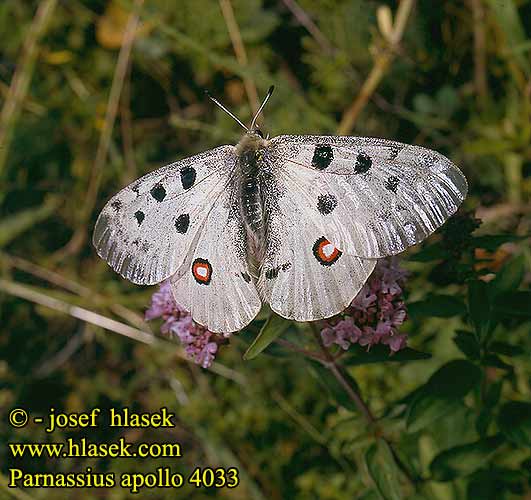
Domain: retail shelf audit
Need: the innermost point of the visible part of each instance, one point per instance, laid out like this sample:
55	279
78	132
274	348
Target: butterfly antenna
269	92
232	115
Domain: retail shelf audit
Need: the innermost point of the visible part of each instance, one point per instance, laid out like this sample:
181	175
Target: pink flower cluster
199	343
375	314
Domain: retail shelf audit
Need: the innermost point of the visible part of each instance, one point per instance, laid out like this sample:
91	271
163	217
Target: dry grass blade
239	51
126	123
120	72
22	77
306	21
72	286
45	274
12	492
25	292
81	313
480	58
299	419
379	70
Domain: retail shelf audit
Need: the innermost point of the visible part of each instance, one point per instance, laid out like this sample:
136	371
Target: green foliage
438	306
515	422
463	460
273	328
357	355
383	471
448	417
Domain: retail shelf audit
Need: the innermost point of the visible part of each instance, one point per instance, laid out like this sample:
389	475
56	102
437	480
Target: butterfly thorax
249	151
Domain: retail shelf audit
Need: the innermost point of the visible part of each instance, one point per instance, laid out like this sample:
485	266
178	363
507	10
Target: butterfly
296	222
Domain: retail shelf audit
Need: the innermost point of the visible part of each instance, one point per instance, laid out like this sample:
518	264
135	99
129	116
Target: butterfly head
257	132
252	141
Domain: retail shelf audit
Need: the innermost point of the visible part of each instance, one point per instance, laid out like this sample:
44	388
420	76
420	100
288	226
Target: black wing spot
322	156
394	152
326	203
158	192
188	175
246	277
363	163
391	183
136	189
139	216
272	273
117	205
182	223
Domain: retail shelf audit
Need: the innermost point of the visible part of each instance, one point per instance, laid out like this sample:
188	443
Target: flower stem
355	396
305	352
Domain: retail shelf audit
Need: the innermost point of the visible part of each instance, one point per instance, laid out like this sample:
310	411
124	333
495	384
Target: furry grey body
251	190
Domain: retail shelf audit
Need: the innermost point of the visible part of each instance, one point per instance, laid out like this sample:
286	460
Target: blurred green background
93	94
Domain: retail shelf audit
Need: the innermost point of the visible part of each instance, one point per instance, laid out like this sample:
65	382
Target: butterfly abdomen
252	205
251	201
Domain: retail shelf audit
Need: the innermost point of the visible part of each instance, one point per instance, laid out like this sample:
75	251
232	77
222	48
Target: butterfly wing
146	230
215	283
376	197
183	221
303	276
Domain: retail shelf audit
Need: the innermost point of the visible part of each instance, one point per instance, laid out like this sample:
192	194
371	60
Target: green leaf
358	355
510	275
506	349
370	495
447	101
483	421
424	104
437	306
479	307
525	467
463	460
493	394
273	328
442	393
514	422
427	408
513	304
331	385
383	470
467	344
454	379
493	360
491	483
491	242
12	226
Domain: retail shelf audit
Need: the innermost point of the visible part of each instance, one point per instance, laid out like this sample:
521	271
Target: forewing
377	197
146	230
215	283
303	276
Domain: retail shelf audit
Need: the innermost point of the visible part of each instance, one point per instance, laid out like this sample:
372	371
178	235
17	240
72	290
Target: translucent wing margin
376	197
146	230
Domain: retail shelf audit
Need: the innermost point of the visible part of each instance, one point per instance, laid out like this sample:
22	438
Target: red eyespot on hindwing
325	253
202	271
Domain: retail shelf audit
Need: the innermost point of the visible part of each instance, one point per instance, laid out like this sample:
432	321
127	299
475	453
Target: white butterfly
294	221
